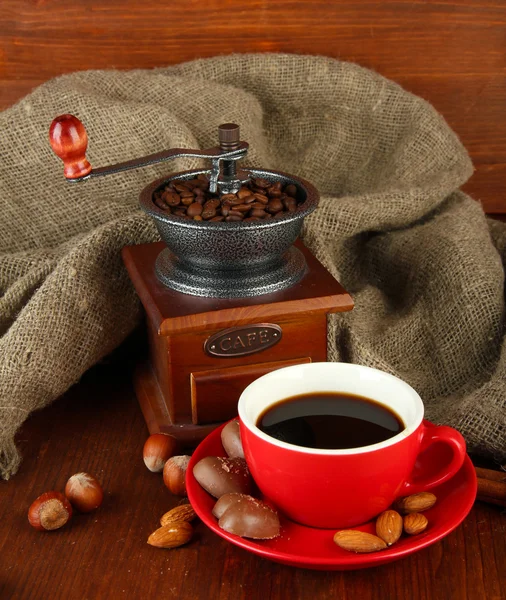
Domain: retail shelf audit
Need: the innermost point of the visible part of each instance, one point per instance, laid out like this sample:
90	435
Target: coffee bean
275	190
289	203
257	212
194	210
186	201
261	183
201	185
291	190
208	212
244	192
234	201
255	200
214	203
251	219
161	204
243	208
274	206
261	198
171	198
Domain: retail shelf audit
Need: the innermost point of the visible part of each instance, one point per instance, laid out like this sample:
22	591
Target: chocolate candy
224	503
251	518
231	440
218	475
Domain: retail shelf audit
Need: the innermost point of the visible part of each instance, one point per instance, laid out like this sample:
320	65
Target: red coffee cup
344	488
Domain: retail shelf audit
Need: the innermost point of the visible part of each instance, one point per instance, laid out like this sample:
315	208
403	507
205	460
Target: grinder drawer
215	393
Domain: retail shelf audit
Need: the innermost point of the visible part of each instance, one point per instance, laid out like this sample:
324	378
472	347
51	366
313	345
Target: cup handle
451	438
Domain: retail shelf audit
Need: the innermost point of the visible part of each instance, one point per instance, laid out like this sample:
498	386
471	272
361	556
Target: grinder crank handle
69	140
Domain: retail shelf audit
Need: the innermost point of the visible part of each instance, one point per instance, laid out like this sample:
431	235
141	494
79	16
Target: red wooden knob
69	141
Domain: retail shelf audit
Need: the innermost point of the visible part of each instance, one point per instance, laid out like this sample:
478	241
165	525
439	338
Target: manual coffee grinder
225	301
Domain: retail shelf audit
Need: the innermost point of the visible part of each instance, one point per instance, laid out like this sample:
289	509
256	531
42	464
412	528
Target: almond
358	541
171	535
415	503
184	512
415	523
389	526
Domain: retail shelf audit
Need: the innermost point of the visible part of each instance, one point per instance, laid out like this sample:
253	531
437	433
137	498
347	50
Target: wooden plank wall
451	52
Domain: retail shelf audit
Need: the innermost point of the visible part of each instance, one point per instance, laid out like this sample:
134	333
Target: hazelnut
84	492
174	474
49	511
158	448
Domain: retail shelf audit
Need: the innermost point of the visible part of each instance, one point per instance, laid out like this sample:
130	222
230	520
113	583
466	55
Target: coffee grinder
225	302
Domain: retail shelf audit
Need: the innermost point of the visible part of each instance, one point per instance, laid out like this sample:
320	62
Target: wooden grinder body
186	390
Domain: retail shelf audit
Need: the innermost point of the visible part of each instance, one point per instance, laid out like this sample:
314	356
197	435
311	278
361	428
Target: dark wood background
451	52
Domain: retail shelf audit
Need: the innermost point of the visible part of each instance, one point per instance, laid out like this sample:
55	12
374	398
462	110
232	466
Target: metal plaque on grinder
240	341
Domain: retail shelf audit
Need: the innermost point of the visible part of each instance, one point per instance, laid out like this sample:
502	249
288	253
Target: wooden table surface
98	427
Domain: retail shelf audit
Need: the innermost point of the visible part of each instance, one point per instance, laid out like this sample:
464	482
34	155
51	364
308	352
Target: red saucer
311	548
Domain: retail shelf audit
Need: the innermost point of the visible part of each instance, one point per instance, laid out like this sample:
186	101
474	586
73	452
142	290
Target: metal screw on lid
229	135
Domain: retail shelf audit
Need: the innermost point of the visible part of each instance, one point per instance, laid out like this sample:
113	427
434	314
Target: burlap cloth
423	263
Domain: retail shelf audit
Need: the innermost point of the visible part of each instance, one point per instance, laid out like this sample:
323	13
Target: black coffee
329	420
